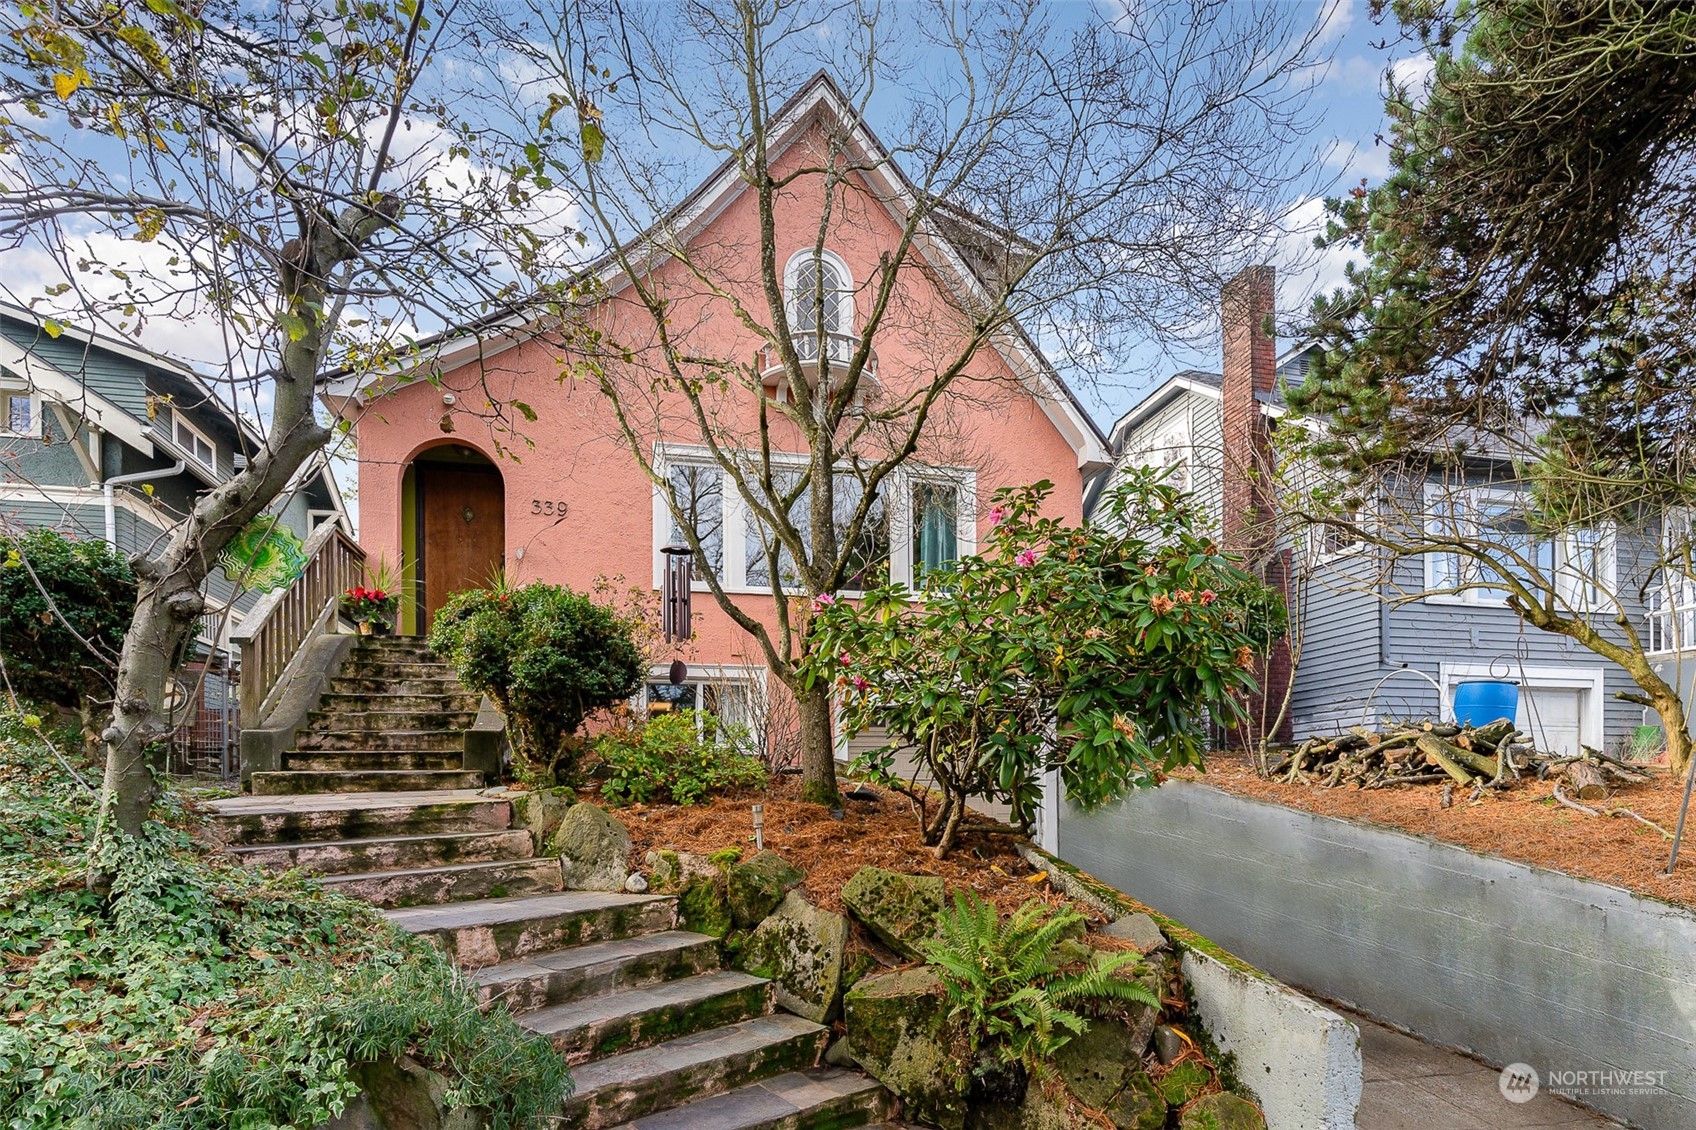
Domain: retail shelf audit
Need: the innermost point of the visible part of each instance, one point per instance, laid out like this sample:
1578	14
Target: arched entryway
456	502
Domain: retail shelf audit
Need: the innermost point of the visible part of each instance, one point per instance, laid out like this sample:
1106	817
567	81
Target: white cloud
1414	74
1357	160
1335	18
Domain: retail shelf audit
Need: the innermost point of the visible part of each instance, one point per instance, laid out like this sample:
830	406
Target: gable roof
939	242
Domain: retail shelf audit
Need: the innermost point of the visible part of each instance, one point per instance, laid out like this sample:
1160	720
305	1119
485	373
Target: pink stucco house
455	493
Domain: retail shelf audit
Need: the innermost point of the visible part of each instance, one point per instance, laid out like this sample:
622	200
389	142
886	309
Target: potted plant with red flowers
371	609
374	605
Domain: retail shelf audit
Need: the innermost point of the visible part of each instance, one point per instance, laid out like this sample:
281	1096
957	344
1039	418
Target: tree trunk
169	599
818	752
165	608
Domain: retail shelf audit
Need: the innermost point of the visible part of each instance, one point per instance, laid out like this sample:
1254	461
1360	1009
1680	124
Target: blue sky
1347	110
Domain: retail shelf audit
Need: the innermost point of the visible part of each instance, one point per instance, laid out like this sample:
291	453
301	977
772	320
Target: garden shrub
1102	651
548	657
684	756
199	993
94	591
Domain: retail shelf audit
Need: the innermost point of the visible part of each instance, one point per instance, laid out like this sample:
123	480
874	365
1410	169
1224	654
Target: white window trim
898	485
179	420
1469	498
1591	680
1571	585
844	300
10	388
751	676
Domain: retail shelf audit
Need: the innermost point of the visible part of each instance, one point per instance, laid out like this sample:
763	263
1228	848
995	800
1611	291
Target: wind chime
676	622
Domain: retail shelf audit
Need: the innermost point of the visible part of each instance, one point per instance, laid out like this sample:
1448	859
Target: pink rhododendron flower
823	601
1208	596
845	659
997	514
859	683
1025	558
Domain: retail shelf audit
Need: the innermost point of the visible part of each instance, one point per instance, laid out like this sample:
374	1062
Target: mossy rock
540	811
403	1092
800	947
670	870
1138	1105
703	907
1096	1063
1187	1079
898	1026
1221	1111
1039	1110
756	886
900	910
592	847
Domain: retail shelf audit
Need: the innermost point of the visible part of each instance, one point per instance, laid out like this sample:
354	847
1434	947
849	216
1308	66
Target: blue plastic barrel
1483	701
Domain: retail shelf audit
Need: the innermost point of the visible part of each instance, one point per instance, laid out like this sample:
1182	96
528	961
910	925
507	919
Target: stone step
436	717
372	645
529	983
294	783
363	685
821	1098
626	1087
455	882
638	1018
401	741
390	853
342	816
496	930
341	760
399	667
391	701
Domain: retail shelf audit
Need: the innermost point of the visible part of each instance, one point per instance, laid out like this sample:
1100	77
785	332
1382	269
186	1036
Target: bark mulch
882	834
1524	823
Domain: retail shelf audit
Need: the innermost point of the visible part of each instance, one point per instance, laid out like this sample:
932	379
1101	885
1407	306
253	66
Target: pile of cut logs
1419	753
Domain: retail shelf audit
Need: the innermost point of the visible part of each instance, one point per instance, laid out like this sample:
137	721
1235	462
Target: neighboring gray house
1376	639
101	439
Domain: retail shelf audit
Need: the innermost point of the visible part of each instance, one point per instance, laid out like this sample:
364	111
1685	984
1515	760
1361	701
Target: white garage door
1553	716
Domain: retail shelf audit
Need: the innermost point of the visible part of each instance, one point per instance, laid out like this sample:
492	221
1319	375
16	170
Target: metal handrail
276	628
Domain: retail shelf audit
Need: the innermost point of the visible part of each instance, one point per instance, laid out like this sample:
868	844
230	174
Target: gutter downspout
176	468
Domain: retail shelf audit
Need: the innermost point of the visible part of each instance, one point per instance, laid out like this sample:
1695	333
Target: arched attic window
802	288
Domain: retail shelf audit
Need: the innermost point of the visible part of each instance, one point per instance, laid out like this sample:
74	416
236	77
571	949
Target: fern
1004	979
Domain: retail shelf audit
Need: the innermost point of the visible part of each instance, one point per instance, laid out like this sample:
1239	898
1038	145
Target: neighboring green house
102	439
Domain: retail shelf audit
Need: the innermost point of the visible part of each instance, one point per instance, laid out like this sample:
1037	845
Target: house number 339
551	506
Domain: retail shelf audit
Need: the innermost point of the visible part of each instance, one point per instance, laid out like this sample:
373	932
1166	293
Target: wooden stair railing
284	621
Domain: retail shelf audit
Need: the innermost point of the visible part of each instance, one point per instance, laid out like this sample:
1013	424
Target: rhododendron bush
1104	652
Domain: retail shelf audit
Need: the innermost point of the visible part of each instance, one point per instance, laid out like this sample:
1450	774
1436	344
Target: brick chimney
1248	525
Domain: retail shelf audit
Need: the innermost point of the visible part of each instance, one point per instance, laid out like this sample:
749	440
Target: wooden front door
462	527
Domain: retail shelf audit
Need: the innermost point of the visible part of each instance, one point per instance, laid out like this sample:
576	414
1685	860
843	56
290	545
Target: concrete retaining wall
1300	1060
1512	963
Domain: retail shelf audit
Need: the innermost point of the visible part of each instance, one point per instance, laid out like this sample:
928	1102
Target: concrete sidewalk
1411	1085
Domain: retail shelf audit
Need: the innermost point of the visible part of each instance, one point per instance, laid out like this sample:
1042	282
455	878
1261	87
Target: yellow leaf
65	85
1038	877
